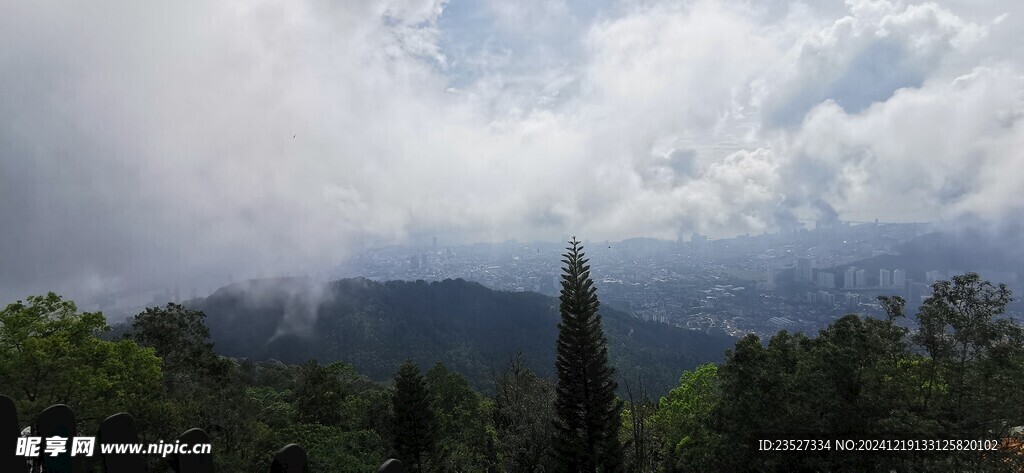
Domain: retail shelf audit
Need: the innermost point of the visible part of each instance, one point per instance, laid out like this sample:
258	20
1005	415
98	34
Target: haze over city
190	144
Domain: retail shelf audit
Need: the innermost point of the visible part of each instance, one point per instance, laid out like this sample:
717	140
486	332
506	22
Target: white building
884	278
804	270
848	279
826	280
899	278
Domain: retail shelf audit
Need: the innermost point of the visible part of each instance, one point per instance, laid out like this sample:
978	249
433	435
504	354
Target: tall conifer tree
413	428
587	411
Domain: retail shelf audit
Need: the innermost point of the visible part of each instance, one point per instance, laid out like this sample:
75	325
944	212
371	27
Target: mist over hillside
471	329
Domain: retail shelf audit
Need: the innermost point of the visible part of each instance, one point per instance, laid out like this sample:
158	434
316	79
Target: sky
150	144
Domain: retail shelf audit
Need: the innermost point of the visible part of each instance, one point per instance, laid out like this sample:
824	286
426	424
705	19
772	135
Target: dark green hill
472	329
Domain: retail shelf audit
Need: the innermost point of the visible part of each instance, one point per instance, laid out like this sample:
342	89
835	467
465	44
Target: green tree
682	421
273	407
319	395
637	427
413	430
206	388
524	405
42	340
588	414
860	379
760	399
973	353
49	353
193	372
464	437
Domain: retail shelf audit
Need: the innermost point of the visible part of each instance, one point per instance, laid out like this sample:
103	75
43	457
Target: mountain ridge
470	328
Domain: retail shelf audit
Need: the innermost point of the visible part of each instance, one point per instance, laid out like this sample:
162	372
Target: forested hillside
471	329
943	397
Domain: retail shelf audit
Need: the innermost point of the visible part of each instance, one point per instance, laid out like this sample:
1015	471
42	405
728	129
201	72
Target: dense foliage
957	375
49	354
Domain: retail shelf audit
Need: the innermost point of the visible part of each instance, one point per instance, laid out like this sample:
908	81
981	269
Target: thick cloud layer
187	143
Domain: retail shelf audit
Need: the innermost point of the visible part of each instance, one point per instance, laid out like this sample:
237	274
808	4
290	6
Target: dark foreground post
193	463
10	430
55	423
119	428
290	459
391	466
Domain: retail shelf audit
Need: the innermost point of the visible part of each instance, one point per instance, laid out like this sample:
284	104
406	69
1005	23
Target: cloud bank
145	144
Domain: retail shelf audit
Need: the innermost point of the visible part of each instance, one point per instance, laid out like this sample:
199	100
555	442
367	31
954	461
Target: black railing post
290	459
193	463
58	421
391	466
119	428
10	430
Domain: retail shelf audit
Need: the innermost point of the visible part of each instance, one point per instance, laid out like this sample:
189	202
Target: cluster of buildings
860	287
821	297
851	291
855	278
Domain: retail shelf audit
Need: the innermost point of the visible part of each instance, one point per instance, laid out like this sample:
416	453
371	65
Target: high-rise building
860	278
804	270
827	280
884	278
771	278
899	278
848	279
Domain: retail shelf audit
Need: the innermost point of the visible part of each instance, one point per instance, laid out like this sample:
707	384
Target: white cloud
939	151
150	144
865	56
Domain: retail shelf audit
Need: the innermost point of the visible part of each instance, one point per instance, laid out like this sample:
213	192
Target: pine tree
587	411
413	429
